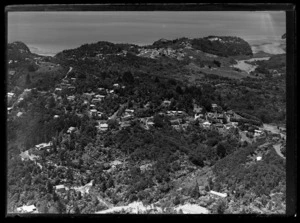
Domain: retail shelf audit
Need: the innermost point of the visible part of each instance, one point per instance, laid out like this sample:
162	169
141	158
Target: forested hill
218	45
18	51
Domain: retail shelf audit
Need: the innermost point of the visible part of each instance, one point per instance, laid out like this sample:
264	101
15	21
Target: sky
52	32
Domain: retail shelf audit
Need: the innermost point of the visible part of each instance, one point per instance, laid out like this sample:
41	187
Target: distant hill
18	51
221	46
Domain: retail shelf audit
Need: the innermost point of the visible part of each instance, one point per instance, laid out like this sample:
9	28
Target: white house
258	158
198	116
129	110
11	72
71	129
116	85
57	90
43	145
60	188
100	96
103	126
19	114
257	133
71	98
166	103
10	95
218	194
27	209
93	112
115	163
206	124
96	100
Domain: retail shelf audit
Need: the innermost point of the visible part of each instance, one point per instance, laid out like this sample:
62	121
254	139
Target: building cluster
156	53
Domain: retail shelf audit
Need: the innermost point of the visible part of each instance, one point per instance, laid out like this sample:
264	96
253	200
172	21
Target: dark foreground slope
149	156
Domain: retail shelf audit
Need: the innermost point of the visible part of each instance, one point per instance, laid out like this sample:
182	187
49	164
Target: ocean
48	33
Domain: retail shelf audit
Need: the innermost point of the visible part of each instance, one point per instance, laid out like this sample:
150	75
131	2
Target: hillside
170	125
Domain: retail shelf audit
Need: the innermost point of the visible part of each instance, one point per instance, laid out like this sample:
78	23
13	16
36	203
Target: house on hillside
219	126
166	103
11	72
10	96
103	126
127	117
206	124
258	133
71	129
258	158
96	100
99	114
71	88
197	110
71	98
65	81
200	116
27	209
93	112
116	163
150	123
177	127
100	96
57	90
116	85
129	111
184	126
60	188
223	195
88	96
228	126
175	121
43	145
214	106
235	124
124	124
9	110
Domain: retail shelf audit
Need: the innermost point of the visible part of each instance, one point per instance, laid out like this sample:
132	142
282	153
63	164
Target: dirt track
277	149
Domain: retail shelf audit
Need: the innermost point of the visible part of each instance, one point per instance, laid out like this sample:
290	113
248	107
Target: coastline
275	46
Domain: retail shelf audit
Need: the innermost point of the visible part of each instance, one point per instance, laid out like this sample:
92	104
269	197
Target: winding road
274	129
70	69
